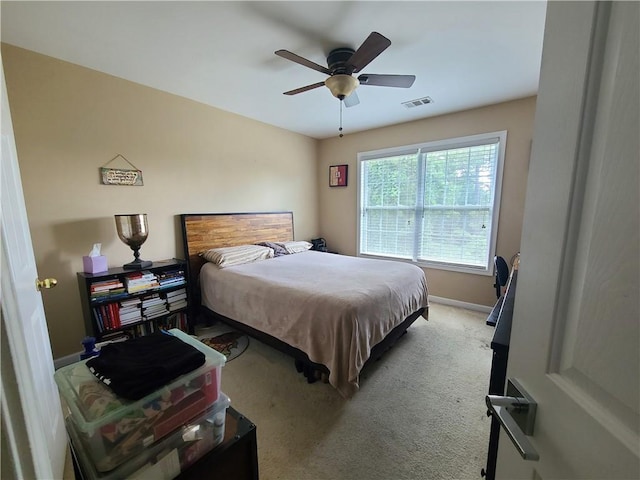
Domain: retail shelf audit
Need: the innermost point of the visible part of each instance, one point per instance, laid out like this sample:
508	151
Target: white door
32	421
575	337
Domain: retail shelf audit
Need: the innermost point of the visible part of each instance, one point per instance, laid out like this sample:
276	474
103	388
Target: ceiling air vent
417	102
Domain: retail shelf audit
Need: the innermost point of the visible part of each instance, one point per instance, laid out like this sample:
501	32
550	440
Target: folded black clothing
139	366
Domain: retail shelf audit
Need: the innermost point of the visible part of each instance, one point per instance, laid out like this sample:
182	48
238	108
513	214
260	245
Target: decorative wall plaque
121	176
338	175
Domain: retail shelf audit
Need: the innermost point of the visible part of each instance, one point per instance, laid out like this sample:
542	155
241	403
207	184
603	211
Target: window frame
445	144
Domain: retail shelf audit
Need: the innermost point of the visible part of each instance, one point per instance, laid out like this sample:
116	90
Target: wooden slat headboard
203	231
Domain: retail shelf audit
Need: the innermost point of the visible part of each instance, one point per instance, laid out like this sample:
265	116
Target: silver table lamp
133	230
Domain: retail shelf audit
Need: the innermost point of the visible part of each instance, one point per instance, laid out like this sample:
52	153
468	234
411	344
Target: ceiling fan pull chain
340	129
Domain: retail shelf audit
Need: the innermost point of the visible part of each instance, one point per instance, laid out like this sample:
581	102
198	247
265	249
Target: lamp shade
341	85
132	228
133	231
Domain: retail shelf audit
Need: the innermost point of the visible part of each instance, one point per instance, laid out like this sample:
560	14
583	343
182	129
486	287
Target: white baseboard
68	360
457	303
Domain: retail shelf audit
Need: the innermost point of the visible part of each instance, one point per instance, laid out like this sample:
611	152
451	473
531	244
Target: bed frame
203	231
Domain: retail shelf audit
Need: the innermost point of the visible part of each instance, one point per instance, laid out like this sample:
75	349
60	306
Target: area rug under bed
230	343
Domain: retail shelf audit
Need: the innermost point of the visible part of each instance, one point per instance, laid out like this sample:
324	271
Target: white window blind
434	203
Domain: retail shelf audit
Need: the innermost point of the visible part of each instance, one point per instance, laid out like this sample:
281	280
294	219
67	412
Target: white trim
499	137
456	142
440	266
12	418
497	200
35	411
67	360
458	303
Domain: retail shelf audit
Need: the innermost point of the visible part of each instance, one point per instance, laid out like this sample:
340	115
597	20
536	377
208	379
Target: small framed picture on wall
338	175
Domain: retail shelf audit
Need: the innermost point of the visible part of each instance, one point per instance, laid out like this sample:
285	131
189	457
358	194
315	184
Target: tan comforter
335	308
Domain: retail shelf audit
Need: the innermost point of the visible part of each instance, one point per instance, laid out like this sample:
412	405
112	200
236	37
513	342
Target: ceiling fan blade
304	89
402	81
352	100
373	46
302	61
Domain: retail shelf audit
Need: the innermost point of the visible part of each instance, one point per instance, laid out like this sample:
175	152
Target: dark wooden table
498	377
236	458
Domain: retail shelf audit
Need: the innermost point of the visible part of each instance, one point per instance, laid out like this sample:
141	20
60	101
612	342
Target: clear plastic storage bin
112	430
168	457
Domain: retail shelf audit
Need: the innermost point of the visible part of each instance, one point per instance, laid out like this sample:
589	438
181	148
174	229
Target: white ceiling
464	54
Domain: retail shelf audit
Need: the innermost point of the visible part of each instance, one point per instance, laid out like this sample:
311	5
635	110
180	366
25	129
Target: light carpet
419	414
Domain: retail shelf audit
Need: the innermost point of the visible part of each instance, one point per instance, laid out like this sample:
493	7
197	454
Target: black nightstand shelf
235	458
111	308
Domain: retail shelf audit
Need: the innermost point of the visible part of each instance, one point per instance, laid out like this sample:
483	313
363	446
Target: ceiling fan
343	63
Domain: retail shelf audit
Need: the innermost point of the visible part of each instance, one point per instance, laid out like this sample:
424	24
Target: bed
332	313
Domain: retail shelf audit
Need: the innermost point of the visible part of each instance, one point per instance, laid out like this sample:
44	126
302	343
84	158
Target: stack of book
171	278
107	289
130	311
153	306
177	299
175	320
109	337
143	329
139	281
107	316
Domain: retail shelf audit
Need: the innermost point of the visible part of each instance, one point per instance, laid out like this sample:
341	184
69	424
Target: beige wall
338	219
69	121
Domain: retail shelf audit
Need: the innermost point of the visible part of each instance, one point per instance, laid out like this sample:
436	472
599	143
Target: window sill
435	266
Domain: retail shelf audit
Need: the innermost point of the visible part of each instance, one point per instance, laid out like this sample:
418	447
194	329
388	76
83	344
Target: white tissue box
95	264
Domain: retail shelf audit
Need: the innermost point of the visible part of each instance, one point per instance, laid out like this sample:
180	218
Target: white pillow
296	247
228	256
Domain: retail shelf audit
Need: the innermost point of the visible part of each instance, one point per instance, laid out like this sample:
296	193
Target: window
435	203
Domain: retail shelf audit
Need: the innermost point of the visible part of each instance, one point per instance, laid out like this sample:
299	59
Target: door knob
46	283
516	412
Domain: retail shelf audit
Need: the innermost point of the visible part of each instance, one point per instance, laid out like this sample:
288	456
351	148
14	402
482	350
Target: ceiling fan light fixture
341	85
